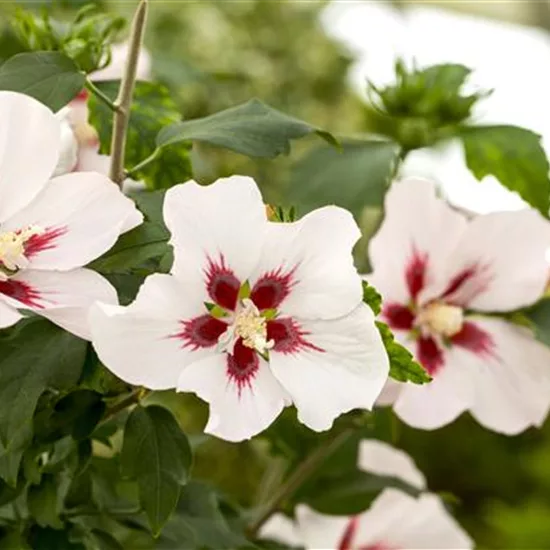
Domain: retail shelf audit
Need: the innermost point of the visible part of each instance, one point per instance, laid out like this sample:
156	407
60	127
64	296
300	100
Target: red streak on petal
242	365
289	337
415	273
272	288
201	332
467	284
429	354
222	285
44	241
22	292
398	317
458	280
349	534
474	339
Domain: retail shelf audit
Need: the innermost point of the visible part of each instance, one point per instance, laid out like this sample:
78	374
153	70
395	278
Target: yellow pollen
442	319
252	327
12	247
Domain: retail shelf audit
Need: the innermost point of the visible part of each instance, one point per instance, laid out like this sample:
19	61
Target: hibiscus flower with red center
254	316
440	275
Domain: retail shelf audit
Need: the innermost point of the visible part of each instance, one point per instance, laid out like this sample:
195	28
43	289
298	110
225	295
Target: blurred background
312	59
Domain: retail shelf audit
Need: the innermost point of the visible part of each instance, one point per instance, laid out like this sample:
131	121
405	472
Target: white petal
317	251
348	373
67	296
280	528
390	392
87	208
449	394
29	149
380	458
8	314
416	219
512	388
136	342
236	413
319	531
68	156
511	246
226	219
397	520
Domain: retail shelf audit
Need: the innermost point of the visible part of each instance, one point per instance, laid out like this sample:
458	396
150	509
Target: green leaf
50	77
514	156
152	109
156	452
253	129
353	177
199	523
403	367
539	315
34	356
372	298
43	504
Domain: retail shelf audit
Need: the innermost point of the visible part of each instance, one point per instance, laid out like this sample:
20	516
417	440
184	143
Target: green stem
300	475
123	101
129	400
153	156
100	95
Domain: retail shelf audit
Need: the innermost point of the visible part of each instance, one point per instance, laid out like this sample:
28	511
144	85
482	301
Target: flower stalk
123	101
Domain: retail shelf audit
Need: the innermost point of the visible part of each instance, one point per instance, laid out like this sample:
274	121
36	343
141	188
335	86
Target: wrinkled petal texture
82	215
30	142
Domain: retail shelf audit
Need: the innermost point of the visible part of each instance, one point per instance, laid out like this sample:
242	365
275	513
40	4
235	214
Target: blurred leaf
253	129
152	109
104	540
156	452
35	356
403	367
514	156
49	77
356	176
50	539
539	315
43	503
198	523
372	298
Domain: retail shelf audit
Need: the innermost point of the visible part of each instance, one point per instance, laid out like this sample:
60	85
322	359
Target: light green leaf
539	316
34	356
253	129
514	156
50	77
372	298
403	367
156	452
152	109
353	177
43	503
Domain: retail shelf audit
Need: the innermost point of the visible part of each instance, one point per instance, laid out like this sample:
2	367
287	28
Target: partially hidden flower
255	315
440	275
394	521
50	228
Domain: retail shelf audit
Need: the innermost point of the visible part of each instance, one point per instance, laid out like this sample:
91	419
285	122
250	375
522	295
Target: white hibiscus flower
440	274
395	520
50	228
255	315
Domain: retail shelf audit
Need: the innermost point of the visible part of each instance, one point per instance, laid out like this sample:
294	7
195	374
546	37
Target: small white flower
255	316
438	272
395	520
49	229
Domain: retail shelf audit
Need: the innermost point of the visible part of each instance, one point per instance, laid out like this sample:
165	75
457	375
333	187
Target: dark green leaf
50	77
43	503
352	493
253	129
104	540
36	356
372	298
403	367
152	109
539	316
156	453
514	156
50	539
353	177
199	523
